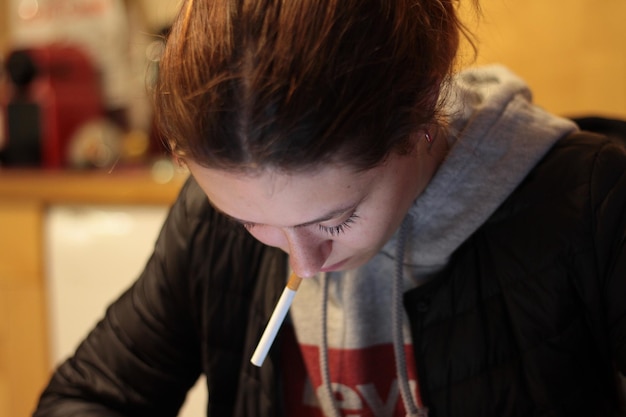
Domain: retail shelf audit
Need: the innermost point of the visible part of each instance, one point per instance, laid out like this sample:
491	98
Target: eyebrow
328	216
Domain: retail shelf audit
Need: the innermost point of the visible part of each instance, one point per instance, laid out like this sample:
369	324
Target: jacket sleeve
608	188
143	356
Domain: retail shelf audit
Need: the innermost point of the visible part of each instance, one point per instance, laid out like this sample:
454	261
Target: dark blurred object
53	91
604	125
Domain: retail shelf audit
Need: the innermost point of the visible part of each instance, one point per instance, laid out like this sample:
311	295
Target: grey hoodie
496	136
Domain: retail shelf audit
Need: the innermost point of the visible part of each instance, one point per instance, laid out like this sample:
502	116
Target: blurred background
76	79
85	182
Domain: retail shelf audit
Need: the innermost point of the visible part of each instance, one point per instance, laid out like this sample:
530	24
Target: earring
429	138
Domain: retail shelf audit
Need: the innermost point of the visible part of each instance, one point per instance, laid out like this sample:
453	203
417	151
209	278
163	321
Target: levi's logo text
363	381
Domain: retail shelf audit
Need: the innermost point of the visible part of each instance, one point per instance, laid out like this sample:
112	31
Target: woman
463	250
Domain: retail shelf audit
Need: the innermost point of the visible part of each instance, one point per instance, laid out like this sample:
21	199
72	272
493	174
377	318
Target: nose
307	252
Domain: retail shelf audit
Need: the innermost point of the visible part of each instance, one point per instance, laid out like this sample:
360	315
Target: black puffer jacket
528	319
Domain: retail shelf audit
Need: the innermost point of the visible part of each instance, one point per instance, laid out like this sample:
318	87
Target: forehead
280	198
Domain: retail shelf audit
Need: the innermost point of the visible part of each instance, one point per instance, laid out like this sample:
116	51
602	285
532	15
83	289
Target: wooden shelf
124	186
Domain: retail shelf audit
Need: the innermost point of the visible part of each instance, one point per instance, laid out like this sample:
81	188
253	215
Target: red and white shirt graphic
364	381
361	357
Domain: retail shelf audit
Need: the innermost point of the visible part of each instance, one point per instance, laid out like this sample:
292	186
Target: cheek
360	238
375	230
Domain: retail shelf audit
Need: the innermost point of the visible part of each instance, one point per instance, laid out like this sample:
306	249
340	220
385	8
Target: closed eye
331	230
340	228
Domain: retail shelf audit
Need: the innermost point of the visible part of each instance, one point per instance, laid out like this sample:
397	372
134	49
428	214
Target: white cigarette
276	320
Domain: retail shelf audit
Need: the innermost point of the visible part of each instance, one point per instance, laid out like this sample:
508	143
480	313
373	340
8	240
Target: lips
335	267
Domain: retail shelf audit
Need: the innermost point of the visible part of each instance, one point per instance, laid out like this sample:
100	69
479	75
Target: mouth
335	267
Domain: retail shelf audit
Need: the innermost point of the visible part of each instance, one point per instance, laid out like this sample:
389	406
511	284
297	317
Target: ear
177	156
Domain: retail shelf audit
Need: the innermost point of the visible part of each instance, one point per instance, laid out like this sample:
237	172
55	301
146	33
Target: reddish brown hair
247	84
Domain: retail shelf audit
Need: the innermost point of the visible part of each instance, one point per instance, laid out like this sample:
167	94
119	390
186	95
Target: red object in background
55	90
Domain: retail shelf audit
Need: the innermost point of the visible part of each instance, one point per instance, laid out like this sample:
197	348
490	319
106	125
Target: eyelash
331	230
341	228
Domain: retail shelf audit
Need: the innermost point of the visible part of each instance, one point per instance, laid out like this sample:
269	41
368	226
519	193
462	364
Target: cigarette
276	320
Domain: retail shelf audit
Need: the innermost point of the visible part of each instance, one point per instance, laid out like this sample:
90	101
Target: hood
496	136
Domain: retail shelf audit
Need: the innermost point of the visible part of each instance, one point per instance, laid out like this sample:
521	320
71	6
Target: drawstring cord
410	404
397	316
325	369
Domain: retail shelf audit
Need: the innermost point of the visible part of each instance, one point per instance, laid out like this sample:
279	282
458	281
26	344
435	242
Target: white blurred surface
93	254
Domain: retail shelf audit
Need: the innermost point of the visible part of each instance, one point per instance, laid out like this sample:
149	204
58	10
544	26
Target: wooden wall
572	52
24	363
4	25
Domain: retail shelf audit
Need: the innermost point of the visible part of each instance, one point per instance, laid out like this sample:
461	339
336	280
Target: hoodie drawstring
323	357
397	319
410	403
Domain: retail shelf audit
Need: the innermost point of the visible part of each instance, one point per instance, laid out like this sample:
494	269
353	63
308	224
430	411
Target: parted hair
289	84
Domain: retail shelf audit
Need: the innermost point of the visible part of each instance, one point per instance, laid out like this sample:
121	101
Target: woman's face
331	219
